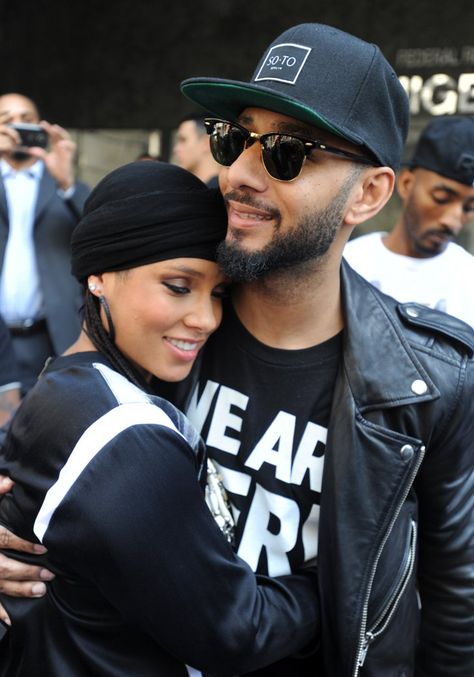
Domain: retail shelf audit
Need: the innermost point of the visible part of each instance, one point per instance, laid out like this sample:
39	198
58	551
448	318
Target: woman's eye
176	288
220	292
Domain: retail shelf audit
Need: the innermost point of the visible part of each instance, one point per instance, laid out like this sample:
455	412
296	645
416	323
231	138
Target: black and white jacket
109	479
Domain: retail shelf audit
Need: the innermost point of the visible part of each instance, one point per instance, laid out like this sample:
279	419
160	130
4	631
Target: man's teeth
257	217
183	345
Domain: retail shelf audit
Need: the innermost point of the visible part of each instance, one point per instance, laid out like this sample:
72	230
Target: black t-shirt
263	413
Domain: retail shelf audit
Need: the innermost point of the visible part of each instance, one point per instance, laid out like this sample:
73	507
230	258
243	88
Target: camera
31	135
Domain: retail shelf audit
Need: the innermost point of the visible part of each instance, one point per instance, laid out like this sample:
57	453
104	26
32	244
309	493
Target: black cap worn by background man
446	147
325	77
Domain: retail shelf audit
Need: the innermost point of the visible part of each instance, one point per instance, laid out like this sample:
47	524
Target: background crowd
41	202
377	387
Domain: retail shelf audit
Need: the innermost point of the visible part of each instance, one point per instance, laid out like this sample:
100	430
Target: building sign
438	80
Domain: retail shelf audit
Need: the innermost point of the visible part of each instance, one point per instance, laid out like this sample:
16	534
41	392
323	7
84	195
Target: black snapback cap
325	77
446	146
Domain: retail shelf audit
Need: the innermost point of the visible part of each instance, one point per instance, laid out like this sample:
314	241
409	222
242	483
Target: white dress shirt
20	293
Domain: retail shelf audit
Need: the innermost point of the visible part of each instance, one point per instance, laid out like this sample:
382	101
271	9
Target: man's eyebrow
468	202
286	127
300	129
245	120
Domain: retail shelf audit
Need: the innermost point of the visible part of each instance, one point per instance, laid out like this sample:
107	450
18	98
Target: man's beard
422	246
310	240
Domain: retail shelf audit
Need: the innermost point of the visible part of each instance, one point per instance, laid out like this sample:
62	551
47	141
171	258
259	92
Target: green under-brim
228	98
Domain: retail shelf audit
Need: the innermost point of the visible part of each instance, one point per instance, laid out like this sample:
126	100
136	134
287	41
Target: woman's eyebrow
186	270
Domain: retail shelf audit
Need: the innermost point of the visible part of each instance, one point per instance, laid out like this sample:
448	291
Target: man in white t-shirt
418	260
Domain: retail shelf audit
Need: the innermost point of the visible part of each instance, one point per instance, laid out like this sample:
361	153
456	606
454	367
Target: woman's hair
102	340
146	212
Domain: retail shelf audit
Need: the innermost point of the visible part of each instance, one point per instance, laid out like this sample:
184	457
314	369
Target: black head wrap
146	212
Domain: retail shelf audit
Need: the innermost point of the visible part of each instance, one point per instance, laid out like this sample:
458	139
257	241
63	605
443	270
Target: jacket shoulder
429	321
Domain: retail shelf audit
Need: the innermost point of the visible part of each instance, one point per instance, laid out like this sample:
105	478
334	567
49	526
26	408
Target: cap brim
228	98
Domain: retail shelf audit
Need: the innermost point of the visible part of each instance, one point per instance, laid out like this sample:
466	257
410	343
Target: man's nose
247	170
455	217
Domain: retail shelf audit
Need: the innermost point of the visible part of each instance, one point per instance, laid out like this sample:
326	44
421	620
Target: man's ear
204	143
405	181
371	193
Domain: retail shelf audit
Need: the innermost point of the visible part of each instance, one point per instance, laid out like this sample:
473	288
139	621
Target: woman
110	478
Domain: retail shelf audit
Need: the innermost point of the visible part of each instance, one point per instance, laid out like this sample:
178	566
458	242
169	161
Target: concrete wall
102	64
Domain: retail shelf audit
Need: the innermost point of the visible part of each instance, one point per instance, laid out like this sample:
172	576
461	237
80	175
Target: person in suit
9	379
40	203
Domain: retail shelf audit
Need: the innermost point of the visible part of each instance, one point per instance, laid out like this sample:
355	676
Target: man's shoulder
362	241
457	254
80	187
419	318
83	187
422	326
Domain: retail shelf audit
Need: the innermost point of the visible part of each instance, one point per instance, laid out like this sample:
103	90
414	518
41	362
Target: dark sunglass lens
227	143
283	156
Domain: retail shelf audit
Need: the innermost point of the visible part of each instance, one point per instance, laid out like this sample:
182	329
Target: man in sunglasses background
418	260
340	420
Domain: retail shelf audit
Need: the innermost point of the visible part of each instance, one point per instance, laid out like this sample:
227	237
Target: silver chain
218	502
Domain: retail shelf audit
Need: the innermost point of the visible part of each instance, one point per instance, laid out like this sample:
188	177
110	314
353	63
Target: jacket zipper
367	636
385	616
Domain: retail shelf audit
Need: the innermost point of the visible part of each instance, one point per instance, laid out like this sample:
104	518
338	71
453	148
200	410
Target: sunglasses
283	155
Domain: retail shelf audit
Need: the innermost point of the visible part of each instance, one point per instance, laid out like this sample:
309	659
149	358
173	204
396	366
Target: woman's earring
105	306
92	287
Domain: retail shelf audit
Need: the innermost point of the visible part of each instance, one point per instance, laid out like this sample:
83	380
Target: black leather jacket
397	507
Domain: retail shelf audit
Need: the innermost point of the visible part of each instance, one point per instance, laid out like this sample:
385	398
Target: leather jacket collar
381	368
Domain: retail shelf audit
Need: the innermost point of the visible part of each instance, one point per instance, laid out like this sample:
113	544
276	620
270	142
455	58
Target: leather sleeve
445	489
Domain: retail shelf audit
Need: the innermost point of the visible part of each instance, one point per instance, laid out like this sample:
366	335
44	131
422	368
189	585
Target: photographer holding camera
40	204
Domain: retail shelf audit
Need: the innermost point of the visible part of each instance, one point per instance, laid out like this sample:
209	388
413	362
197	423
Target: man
418	260
40	203
9	377
340	421
191	149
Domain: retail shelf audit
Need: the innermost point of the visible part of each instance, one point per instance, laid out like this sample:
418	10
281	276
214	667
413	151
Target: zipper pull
364	648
